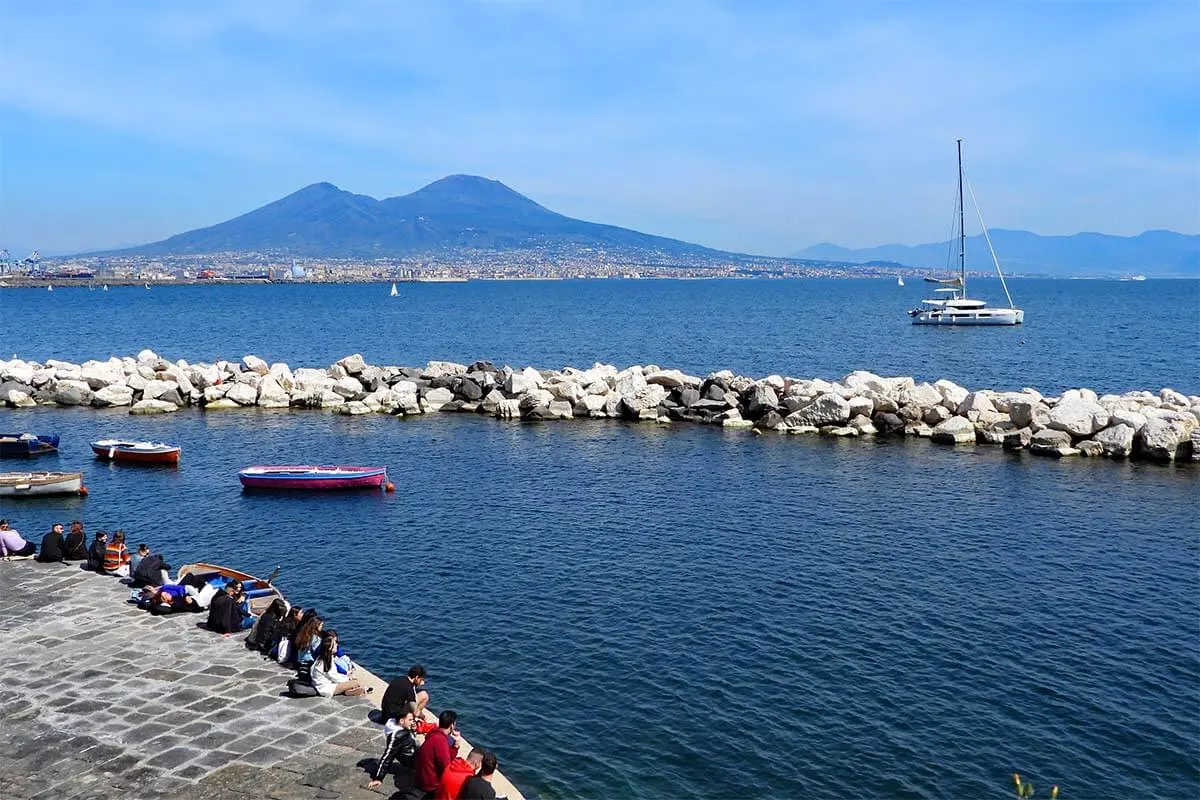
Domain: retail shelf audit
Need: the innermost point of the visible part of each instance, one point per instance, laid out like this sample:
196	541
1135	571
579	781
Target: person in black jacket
226	613
54	547
151	571
95	556
76	543
266	632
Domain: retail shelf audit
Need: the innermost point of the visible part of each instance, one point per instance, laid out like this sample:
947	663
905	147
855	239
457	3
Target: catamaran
953	307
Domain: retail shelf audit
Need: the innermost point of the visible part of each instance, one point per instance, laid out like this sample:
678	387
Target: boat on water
29	484
952	306
395	292
106	287
312	478
19	445
136	452
1134	278
899	280
49	288
261	592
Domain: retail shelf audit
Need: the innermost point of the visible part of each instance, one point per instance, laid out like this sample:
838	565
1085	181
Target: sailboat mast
962	231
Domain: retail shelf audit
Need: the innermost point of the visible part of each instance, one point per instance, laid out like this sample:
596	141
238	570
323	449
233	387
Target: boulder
15	398
349	388
491	401
352	364
769	421
936	415
255	364
1089	448
436	398
97	375
154	390
888	423
72	393
1165	438
17	371
828	409
761	399
1170	397
1116	441
630	381
952	394
561	409
442	369
863	425
147	355
241	393
1052	442
672	379
1078	415
591	405
1134	419
352	408
861	407
689	396
272	394
518	383
977	402
152	407
115	395
470	390
1024	412
646	399
955	430
922	394
1018	439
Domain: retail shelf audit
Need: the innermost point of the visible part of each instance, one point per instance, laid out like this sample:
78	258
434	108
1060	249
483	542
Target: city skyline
761	131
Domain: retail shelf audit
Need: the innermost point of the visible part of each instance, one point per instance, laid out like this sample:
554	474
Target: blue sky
753	126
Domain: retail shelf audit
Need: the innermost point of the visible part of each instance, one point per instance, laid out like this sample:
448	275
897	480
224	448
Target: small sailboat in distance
395	292
106	287
147	286
49	287
899	280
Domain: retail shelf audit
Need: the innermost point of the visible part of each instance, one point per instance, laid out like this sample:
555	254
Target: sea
630	610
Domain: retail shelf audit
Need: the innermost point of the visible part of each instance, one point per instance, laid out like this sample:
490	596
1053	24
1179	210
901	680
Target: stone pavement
100	699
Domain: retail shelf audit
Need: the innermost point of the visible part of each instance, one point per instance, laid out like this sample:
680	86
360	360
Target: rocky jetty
1160	427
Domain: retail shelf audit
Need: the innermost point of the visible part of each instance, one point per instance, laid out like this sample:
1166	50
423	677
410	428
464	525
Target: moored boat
28	484
260	592
312	478
136	452
27	444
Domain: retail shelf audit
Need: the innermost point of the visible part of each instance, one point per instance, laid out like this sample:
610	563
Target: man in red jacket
434	756
456	774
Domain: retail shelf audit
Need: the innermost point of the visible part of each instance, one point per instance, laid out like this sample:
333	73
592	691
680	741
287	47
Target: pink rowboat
312	479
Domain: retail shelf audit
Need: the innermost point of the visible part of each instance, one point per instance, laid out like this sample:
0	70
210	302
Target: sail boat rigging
955	308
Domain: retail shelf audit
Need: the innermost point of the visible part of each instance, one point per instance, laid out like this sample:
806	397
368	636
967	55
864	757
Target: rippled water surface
635	611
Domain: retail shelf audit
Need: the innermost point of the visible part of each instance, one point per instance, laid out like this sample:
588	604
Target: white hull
971	316
23	484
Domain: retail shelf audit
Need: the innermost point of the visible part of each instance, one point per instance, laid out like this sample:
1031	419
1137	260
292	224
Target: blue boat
19	445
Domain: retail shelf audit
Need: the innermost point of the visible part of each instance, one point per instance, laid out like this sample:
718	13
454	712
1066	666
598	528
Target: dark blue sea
625	610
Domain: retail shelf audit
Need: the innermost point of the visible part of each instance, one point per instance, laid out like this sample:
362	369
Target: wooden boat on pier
19	445
312	478
136	452
29	484
260	592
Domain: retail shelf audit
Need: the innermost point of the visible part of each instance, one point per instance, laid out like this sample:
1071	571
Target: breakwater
1162	426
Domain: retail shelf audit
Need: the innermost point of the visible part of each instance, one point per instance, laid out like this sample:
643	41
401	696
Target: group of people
109	557
294	637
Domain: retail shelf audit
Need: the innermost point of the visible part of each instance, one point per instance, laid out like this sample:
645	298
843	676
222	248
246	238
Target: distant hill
459	211
1154	254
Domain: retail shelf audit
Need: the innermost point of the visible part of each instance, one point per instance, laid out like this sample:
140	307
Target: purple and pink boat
313	479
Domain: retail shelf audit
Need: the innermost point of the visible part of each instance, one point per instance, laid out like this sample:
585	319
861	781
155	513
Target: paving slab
104	700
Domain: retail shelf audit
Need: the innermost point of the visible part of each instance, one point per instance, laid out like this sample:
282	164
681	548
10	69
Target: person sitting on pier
403	690
479	787
95	555
282	652
136	558
229	611
116	556
265	633
433	757
76	542
12	544
325	674
399	744
54	547
458	772
152	570
306	641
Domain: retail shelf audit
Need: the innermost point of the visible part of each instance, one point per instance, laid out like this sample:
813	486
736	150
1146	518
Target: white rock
353	408
975	401
255	364
440	369
1171	397
271	394
220	403
17	371
952	394
591	405
526	380
147	355
353	364
508	408
152	407
561	409
349	388
100	374
18	399
490	403
1116	441
1163	438
1133	419
922	395
1078	415
282	374
861	406
672	379
630	381
644	399
154	390
828	409
863	425
776	382
955	430
436	398
241	393
117	394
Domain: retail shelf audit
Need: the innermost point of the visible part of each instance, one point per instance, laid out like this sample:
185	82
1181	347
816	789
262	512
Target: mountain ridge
1154	253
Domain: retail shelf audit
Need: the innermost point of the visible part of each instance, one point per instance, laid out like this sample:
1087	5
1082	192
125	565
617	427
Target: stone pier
99	699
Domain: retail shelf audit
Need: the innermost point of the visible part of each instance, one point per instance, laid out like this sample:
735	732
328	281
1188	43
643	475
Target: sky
758	127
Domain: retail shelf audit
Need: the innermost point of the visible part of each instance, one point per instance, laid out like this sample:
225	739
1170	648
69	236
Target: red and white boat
312	478
136	452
